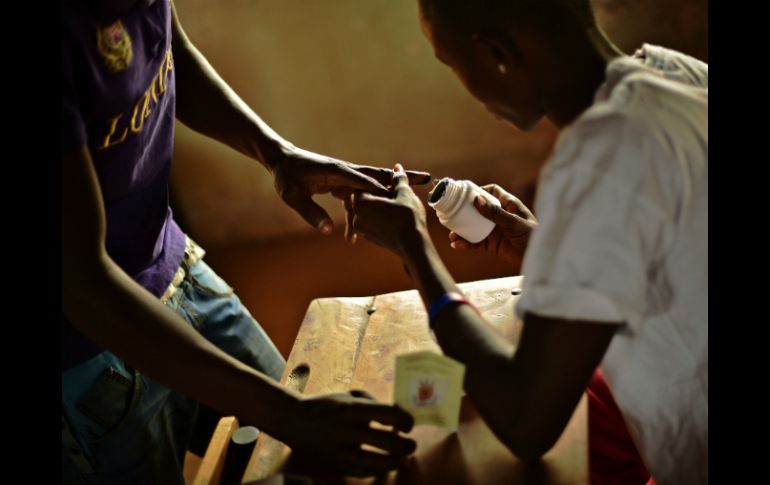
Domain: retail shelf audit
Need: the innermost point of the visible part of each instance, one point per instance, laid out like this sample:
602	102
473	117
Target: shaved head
522	59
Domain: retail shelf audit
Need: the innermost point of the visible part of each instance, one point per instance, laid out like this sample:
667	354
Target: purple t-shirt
118	100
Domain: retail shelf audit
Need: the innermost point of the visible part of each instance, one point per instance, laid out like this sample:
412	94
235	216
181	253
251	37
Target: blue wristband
441	303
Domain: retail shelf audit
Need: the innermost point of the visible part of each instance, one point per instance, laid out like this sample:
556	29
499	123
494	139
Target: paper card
429	386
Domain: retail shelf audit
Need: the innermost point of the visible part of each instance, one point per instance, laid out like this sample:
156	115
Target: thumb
495	213
362	394
400	178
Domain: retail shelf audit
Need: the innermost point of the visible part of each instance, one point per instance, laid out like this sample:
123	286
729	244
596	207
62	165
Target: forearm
462	333
115	312
208	105
497	384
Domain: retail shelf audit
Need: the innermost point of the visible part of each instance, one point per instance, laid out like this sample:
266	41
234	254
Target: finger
496	190
359	227
510	202
350	234
381	175
418	177
382	413
364	199
310	211
369	209
462	245
457	242
495	213
341	193
343	177
400	181
385	440
385	175
361	393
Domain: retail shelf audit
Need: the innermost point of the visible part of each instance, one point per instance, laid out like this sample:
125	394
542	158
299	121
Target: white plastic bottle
453	202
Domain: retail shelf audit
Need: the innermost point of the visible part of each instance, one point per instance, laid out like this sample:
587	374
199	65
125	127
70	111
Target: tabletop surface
352	343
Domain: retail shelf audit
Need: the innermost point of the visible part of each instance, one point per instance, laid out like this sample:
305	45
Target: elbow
528	450
83	275
528	453
528	443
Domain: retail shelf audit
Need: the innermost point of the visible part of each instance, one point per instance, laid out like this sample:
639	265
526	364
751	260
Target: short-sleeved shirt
118	100
623	237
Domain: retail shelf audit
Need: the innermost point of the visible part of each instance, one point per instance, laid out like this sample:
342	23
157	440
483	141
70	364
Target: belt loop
192	254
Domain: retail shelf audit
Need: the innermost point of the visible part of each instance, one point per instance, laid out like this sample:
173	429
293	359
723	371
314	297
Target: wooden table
352	343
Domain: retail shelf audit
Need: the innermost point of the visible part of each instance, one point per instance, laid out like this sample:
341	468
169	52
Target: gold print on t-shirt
115	45
117	131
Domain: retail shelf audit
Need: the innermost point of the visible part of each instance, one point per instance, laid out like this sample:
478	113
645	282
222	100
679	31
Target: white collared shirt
623	237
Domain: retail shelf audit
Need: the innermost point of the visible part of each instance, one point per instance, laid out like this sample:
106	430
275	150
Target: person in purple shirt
150	334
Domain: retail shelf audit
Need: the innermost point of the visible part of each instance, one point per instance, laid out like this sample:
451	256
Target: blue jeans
119	426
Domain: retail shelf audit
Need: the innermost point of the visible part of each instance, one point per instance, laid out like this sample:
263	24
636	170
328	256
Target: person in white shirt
616	263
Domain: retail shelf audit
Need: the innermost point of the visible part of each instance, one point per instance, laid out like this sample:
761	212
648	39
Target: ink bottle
453	203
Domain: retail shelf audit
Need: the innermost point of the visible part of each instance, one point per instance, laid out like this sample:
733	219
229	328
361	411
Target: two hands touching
299	174
380	205
397	219
331	429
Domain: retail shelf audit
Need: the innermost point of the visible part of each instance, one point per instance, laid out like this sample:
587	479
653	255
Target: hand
514	224
299	174
329	430
388	221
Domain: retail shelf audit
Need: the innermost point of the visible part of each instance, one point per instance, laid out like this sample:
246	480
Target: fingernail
354	239
398	168
481	201
325	227
453	244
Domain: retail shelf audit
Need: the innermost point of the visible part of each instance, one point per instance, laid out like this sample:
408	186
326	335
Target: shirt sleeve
599	227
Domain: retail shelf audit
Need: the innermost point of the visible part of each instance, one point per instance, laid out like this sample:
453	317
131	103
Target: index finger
346	178
385	175
497	191
400	180
382	413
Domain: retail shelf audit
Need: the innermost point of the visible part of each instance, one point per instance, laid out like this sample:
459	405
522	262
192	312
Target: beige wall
678	24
